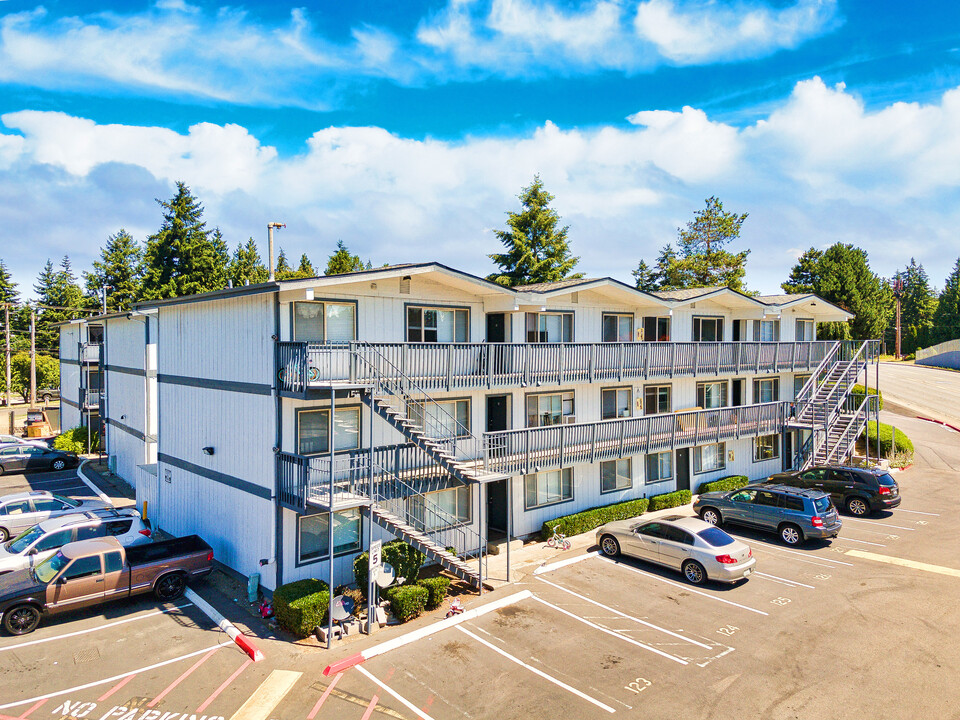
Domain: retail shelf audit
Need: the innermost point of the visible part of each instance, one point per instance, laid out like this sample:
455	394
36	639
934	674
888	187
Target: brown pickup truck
91	572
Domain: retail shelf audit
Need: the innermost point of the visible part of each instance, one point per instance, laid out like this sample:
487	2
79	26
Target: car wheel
21	619
609	545
694	572
709	515
858	506
58	464
170	587
1	470
791	534
46	399
4	535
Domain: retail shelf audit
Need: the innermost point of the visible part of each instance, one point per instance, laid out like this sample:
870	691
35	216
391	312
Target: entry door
496	327
498	413
736	392
683	469
497	506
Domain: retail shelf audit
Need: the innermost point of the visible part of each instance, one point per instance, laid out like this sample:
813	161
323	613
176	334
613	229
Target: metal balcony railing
90	399
90	352
464	366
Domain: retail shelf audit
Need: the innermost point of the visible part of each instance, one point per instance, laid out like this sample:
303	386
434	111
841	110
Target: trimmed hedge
593	518
734	482
670	500
75	440
406	561
859	392
407	601
904	446
437	588
302	605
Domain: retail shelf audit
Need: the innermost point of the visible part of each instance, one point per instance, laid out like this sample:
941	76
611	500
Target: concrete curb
436	627
228	627
940	422
89	483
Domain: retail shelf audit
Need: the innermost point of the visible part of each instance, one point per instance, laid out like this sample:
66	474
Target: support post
6	332
33	359
509	521
333	408
370	579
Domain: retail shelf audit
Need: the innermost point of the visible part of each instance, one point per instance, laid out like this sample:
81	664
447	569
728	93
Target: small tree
946	319
341	261
645	277
306	267
537	250
245	266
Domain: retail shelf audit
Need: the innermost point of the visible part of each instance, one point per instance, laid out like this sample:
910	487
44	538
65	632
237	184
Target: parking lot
863	626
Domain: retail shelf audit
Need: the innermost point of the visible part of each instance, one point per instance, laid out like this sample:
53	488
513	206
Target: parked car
793	513
44	539
48	394
84	574
14	440
23	510
698	549
860	491
20	457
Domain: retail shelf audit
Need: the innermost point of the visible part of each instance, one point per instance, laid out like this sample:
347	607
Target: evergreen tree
8	294
645	277
8	288
918	303
283	271
59	298
246	266
703	261
182	258
306	267
803	275
669	272
536	250
120	270
341	261
946	319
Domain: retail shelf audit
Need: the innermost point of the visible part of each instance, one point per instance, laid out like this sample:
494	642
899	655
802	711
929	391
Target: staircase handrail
812	380
854	425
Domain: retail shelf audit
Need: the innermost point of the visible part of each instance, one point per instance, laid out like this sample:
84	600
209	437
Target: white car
697	549
41	541
14	440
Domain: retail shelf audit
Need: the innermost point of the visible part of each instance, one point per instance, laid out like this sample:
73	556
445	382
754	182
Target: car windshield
886	479
822	504
48	569
715	537
69	501
24	540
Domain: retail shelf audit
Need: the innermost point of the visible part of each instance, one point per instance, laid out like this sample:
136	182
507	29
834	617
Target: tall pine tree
918	303
59	298
246	267
283	271
306	267
537	249
803	275
341	261
645	277
182	258
119	269
703	261
946	319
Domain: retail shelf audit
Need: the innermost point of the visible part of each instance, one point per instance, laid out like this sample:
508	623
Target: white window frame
812	332
620	390
417	508
766	330
422	328
567	401
622	475
338	416
700	320
702	394
326	324
720	450
347	516
758	385
535	335
659	460
623	335
798	382
563	477
773	448
452	405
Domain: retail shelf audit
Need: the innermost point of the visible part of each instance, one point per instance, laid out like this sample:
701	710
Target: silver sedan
699	550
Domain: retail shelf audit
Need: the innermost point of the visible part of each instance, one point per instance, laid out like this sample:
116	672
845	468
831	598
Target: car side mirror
33	551
61	581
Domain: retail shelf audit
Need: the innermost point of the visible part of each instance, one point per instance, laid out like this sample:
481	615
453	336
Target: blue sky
408	129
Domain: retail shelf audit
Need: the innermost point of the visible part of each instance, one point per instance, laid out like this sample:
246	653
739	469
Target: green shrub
859	392
437	588
302	605
406	561
593	518
904	446
670	500
407	601
728	483
75	440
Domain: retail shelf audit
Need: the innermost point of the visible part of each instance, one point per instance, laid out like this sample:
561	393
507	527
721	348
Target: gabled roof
605	285
686	293
556	285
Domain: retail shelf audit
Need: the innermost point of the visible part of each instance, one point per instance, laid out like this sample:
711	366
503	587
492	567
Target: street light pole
270	227
898	294
33	357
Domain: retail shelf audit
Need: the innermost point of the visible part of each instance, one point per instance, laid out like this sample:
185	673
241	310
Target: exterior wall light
208	450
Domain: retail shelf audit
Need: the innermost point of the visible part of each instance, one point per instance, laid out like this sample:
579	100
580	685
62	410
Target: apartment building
290	422
81	374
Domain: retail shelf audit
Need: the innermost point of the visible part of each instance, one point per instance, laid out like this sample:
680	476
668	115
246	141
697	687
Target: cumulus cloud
819	169
175	50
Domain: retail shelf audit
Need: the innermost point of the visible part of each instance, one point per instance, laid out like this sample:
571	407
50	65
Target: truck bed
165	549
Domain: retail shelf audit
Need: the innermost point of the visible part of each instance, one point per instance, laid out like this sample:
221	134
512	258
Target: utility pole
6	332
270	227
33	357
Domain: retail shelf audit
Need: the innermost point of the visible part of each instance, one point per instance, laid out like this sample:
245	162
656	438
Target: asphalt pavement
924	391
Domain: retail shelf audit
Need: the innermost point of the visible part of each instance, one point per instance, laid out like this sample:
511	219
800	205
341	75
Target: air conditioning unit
570	419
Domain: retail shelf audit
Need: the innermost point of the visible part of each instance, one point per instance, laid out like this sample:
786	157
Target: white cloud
818	169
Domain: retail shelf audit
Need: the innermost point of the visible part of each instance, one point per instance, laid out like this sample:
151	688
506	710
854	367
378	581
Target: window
313	534
441	506
675	534
656	399
792	502
95	334
82	567
443	418
17	508
89	532
766	331
617	328
659	467
49	505
616	475
766	499
313	430
653	529
550	409
549	327
119	527
805	330
798	382
765	391
656	329
324	322
766	447
112	562
707	329
437	325
708	458
615	402
547	488
711	395
54	540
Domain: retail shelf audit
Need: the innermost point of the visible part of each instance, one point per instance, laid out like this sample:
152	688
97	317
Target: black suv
860	491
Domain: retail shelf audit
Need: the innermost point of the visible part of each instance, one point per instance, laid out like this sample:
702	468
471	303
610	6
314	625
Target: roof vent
575	298
405	285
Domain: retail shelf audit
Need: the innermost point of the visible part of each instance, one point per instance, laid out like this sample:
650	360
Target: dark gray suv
794	514
860	491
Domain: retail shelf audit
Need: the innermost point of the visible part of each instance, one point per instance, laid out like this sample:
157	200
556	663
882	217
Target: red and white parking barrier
242	641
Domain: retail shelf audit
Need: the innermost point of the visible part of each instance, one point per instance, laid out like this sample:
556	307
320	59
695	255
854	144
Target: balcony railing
464	366
529	450
90	352
90	399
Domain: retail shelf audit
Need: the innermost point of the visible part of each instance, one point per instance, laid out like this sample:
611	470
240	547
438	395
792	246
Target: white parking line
785	581
94	629
939	569
628	617
564	563
611	632
878	524
685	587
864	542
406	703
917	512
802	557
535	671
